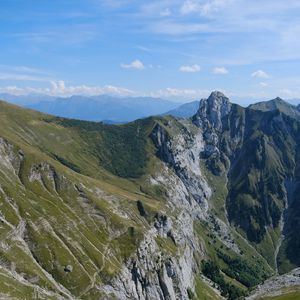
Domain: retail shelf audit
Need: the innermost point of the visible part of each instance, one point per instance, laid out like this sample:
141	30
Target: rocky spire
212	110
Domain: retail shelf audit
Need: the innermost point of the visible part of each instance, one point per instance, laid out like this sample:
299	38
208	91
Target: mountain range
167	208
105	108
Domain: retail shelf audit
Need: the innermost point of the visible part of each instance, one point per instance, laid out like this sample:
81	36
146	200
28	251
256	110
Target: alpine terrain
205	207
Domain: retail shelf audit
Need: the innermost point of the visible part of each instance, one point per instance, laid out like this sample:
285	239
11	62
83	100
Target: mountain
159	208
185	110
99	108
277	104
26	100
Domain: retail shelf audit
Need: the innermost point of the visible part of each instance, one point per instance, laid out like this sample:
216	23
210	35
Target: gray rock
68	269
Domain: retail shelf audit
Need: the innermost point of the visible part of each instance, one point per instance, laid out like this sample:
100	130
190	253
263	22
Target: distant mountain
185	110
26	100
98	108
277	104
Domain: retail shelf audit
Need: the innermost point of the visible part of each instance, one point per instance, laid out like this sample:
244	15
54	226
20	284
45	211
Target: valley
160	208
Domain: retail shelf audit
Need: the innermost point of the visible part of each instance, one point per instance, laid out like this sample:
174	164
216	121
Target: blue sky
177	49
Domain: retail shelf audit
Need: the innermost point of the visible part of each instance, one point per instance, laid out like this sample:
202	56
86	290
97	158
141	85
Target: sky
174	49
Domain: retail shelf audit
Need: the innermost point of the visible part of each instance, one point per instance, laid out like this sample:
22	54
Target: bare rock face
152	274
10	157
182	153
210	119
212	110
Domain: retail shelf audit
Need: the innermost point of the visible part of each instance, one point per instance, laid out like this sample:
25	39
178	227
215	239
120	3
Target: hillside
277	104
160	208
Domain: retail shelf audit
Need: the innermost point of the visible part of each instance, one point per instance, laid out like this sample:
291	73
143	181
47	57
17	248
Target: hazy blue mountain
98	108
185	110
26	100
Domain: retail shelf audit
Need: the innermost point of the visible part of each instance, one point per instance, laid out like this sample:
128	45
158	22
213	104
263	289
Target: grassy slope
80	225
70	218
288	296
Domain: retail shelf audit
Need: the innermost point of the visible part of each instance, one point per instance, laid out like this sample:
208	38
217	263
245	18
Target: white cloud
136	65
59	88
220	70
263	84
260	74
181	93
203	7
190	69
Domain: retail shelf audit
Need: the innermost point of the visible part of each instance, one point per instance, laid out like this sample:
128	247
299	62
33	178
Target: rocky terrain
160	208
278	286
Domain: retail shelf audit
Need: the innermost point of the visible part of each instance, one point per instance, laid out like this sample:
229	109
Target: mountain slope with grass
277	104
160	208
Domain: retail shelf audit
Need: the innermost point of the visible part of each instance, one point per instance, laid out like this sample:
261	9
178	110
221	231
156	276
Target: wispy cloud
203	7
24	73
58	35
190	69
260	74
23	77
263	84
22	69
136	65
220	71
181	93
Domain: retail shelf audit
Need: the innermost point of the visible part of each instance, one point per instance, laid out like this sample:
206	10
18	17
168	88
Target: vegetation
203	291
67	163
211	270
248	274
55	218
190	293
119	149
285	296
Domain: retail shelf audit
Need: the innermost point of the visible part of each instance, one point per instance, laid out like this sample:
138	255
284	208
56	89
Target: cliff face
157	209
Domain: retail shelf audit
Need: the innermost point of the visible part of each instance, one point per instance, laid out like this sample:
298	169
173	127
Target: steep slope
73	230
258	153
277	104
155	209
62	233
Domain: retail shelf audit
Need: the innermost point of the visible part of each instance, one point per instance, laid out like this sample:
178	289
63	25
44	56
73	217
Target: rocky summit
205	207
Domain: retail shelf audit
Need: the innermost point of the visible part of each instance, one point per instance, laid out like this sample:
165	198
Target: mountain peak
212	110
277	104
278	100
217	94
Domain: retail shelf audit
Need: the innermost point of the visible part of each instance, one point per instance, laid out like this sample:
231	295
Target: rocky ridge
146	237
